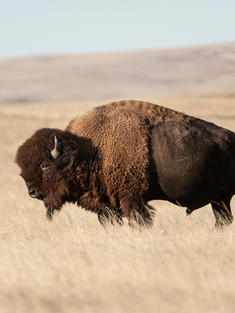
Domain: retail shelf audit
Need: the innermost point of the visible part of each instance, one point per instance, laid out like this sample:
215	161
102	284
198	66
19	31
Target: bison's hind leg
222	211
189	211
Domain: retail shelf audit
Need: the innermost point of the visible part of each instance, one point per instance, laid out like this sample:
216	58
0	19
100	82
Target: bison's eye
44	166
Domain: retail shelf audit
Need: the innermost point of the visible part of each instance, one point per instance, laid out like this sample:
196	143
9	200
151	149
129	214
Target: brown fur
122	131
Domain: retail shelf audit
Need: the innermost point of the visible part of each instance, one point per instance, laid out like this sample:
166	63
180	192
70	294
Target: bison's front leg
139	213
143	216
222	211
110	216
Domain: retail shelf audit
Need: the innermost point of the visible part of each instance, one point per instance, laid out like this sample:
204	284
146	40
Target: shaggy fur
116	158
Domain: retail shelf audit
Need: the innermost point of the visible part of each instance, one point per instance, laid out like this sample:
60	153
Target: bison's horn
57	148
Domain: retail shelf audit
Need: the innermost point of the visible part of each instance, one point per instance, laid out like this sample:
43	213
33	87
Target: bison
116	158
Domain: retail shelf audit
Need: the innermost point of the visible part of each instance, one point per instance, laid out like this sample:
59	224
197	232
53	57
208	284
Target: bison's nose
34	193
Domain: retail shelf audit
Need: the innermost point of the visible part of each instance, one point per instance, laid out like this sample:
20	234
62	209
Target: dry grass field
72	264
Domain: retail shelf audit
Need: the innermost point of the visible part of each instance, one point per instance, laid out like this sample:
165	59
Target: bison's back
116	119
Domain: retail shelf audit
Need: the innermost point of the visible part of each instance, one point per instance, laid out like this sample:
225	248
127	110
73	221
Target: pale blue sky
73	26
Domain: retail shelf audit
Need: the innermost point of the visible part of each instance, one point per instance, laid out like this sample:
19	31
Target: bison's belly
191	195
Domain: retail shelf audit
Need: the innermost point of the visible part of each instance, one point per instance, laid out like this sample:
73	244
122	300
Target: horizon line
113	51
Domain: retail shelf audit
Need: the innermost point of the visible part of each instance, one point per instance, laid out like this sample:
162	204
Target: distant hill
109	76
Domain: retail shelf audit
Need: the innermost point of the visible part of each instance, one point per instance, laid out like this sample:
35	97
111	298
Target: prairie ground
72	264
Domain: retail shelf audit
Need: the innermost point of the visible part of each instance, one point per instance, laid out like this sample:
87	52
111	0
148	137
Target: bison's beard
50	210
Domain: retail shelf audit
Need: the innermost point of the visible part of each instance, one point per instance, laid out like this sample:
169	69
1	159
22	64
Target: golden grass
74	265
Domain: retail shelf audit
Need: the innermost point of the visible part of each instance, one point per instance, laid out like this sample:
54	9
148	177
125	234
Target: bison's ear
58	148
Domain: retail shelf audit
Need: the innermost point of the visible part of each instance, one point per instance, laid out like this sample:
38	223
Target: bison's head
47	160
